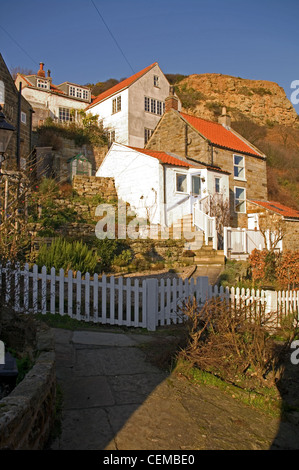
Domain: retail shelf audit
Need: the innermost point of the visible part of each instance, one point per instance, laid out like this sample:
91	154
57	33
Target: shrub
287	270
263	265
67	255
226	343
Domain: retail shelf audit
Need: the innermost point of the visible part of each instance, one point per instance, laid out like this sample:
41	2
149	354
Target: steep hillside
261	101
261	112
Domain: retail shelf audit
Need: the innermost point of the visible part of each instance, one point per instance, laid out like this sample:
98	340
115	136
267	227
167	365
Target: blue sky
253	39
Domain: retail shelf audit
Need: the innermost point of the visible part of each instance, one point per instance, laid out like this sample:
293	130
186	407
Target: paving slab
114	399
102	339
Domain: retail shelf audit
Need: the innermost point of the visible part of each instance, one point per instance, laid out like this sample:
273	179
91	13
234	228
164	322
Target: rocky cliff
261	101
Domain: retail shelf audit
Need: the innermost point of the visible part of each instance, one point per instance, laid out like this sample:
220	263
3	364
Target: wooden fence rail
145	303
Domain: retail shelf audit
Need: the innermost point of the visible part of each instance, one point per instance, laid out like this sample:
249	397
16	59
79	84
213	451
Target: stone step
208	260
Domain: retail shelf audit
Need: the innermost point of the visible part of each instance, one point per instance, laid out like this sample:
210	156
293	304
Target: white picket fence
145	303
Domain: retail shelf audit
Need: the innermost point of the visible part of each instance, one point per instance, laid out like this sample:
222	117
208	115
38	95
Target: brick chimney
41	72
224	119
172	101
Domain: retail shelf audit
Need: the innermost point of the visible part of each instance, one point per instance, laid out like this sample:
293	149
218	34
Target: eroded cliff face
261	101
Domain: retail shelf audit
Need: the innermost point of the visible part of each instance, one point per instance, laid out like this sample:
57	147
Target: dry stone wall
90	186
27	414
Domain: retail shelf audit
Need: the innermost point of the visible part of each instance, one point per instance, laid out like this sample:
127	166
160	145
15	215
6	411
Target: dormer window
78	92
42	83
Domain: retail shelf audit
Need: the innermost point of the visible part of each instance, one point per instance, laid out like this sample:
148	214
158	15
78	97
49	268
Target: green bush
67	255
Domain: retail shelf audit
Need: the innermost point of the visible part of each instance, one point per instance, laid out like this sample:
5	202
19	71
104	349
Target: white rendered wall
117	121
43	99
136	179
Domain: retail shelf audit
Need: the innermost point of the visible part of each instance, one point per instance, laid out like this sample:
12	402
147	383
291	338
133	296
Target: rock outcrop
261	101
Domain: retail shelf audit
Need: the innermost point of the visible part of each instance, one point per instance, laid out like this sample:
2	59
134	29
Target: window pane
114	106
240	193
195	185
146	104
240	200
217	185
119	103
238	160
181	183
153	106
239	167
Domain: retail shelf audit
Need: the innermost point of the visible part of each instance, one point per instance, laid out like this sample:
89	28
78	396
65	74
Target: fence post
151	304
271	301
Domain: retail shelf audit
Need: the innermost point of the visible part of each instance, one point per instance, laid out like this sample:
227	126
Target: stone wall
27	414
90	186
291	239
9	103
58	150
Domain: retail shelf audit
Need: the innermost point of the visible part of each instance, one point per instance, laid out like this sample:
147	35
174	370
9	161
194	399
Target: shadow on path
115	399
287	437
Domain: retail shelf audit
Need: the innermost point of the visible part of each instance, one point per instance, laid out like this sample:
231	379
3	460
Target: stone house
20	117
58	102
217	144
131	110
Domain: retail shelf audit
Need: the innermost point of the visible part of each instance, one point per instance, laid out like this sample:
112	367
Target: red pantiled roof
278	208
163	157
219	135
120	86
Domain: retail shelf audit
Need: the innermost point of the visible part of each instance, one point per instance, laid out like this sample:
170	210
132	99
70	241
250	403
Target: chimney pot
41	72
224	119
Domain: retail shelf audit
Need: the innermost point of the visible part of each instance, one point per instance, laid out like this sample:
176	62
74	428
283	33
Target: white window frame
111	136
154	106
240	200
72	91
43	84
66	113
116	104
219	184
156	81
23	118
239	166
147	134
180	173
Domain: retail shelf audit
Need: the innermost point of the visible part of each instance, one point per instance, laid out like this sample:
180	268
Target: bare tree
217	205
273	229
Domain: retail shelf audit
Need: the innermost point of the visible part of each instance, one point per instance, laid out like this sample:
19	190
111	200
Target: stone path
115	400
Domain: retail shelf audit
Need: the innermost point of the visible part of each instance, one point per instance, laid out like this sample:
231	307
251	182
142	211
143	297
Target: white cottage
159	186
131	110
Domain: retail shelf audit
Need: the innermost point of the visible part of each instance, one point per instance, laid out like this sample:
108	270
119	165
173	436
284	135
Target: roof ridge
116	88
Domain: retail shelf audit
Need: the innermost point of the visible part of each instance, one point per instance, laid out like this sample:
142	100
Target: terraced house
58	102
217	145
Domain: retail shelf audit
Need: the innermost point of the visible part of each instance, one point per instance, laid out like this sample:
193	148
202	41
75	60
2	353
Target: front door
195	190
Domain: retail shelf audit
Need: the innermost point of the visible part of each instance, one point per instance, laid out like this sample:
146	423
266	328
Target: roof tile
219	135
278	208
163	157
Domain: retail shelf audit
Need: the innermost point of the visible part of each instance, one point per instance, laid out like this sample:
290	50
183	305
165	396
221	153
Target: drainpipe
212	153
